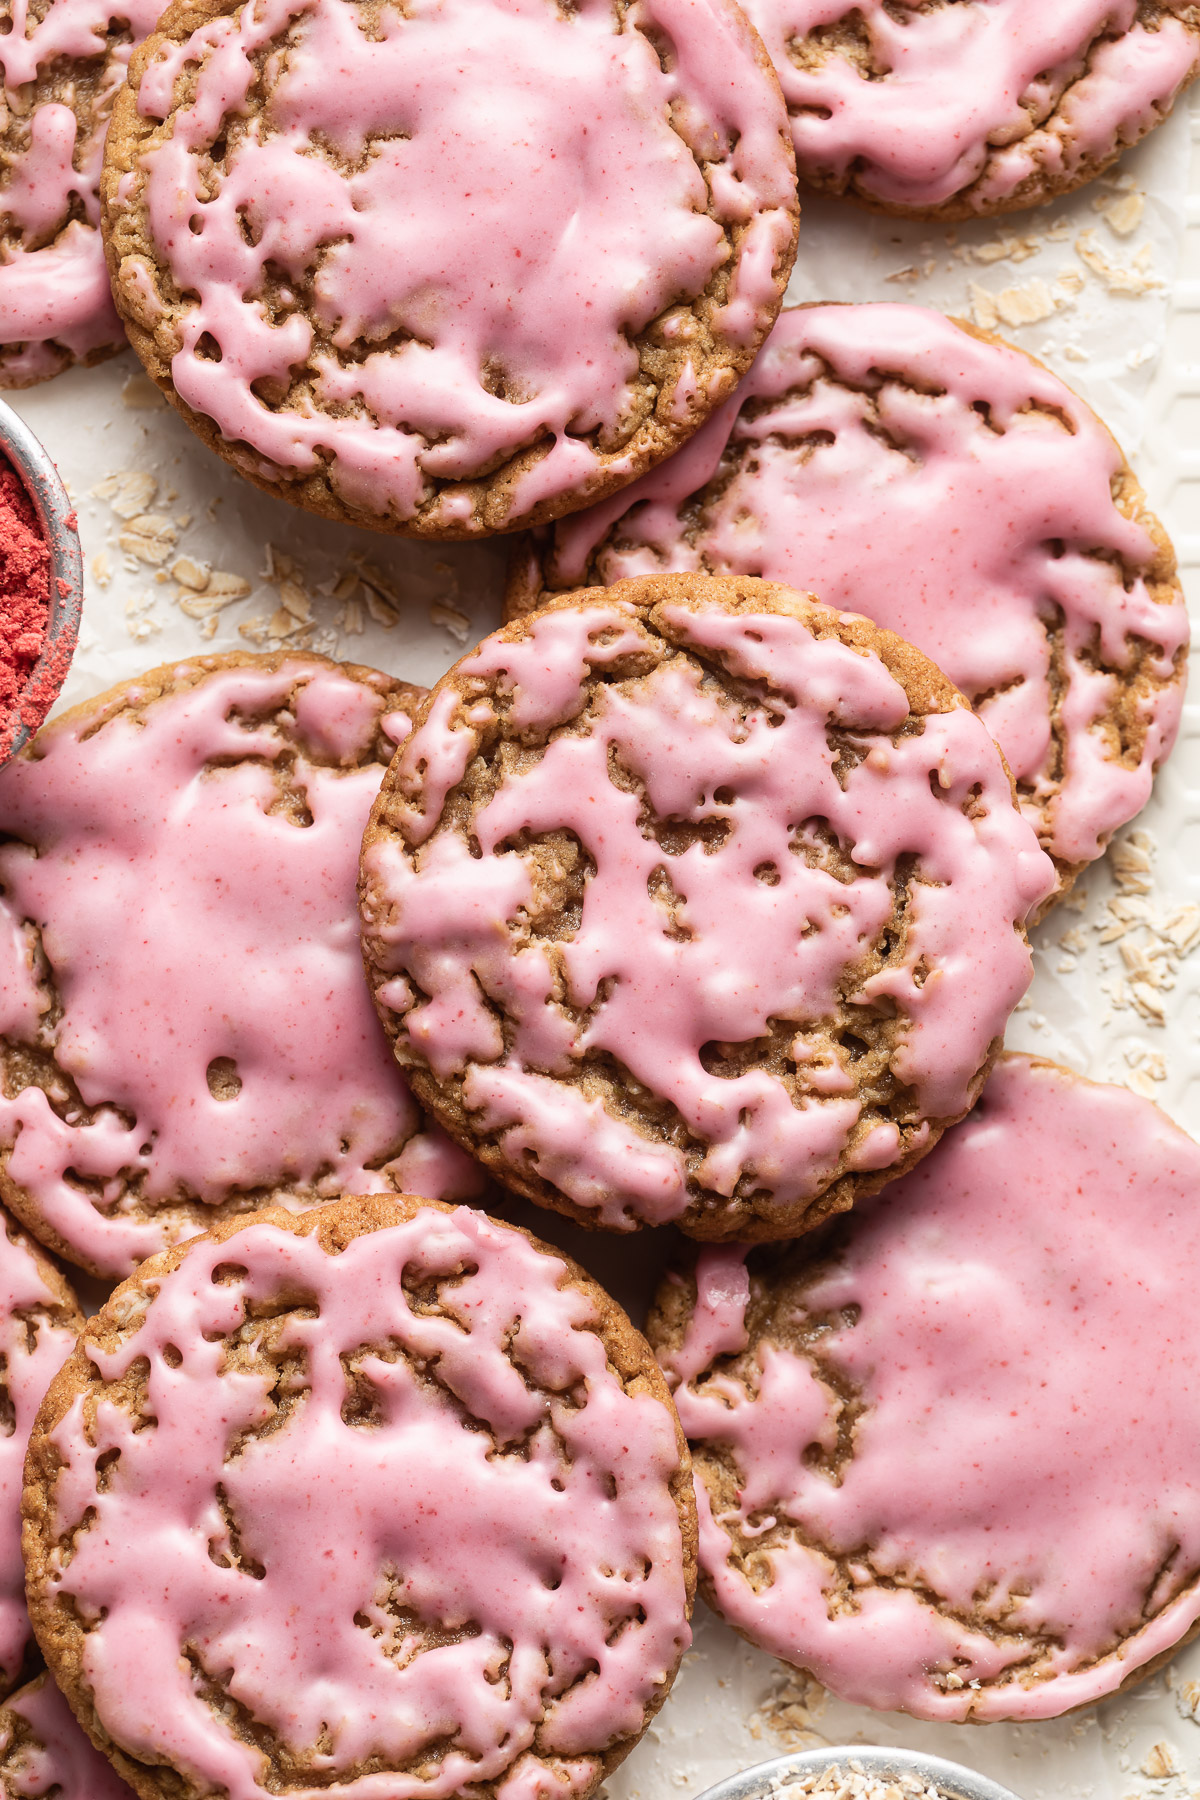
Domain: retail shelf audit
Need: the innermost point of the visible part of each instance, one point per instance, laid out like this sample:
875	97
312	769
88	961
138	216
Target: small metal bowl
951	1779
56	517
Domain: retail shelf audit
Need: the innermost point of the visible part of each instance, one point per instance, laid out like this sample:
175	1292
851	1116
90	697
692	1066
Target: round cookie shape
456	266
944	1458
43	1750
39	1318
391	1495
689	899
945	484
948	112
62	63
184	1027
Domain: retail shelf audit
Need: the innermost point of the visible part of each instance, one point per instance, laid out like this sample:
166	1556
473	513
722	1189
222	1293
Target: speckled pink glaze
61	1760
749	952
550	1537
184	921
949	98
518	188
894	496
33	1351
1024	1348
58	293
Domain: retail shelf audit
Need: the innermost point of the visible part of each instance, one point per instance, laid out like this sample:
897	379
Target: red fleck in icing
60	1759
494	131
56	292
1023	1342
954	87
751	952
960	529
550	1536
24	601
185	922
33	1350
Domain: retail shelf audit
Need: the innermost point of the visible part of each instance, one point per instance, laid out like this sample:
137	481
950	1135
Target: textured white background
1136	356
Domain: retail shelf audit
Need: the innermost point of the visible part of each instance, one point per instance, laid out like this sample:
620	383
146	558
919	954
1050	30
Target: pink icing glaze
959	531
62	1761
184	922
1024	1352
57	292
750	951
33	1350
952	85
494	130
560	1547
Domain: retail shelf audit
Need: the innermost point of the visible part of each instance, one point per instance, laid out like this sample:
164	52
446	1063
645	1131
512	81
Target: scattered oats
1137	359
281	623
191	574
346	585
912	273
1182	928
1118	278
1023	1004
1068	285
850	1781
255	629
220	592
1007	249
374	578
1160	1761
1073	940
1059	231
788	1709
353	622
182	520
1124	213
279	565
149	537
229	587
1028	304
378	608
1075	353
140	394
1067	966
451	620
1187	1699
295	602
208	627
172	496
129	492
102	568
1141	1082
983	307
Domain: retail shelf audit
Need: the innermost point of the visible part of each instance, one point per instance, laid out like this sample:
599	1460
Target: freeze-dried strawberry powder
24	609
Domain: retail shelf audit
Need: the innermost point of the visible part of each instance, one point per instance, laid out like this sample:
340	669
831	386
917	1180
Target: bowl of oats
858	1772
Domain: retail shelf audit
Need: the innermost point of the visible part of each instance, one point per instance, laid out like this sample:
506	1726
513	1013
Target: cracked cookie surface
62	63
185	1031
390	1497
44	1751
949	487
943	1455
454	266
952	109
692	900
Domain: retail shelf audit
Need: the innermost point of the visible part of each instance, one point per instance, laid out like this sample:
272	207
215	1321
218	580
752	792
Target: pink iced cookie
185	1028
62	63
966	499
947	1463
44	1751
451	267
949	111
39	1316
692	900
390	1498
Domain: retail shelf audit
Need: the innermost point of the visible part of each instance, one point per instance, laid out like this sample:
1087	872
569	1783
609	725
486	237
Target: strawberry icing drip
469	140
983	95
407	1587
1043	1462
34	1349
746	950
54	286
964	531
186	922
59	1758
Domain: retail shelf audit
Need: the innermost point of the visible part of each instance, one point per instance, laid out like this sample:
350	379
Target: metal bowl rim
952	1779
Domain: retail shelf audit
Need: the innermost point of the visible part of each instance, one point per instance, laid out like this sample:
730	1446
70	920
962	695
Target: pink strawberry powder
24	611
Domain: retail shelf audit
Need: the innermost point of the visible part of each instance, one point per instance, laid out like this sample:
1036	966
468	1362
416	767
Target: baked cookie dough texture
949	111
43	1750
948	486
390	1497
62	62
947	1462
185	1030
692	900
453	267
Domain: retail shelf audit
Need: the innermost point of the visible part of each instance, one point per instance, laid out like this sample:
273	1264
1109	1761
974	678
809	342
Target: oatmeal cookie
62	63
450	266
43	1751
946	111
39	1317
692	900
390	1497
945	1454
187	1032
948	486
